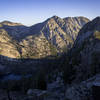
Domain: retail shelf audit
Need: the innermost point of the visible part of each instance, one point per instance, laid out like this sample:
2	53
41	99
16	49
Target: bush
95	63
68	74
41	81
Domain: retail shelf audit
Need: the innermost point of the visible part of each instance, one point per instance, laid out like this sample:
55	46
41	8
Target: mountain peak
55	17
94	24
97	20
91	29
9	23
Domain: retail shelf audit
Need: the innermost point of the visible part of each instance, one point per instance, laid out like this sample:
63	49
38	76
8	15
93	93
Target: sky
29	12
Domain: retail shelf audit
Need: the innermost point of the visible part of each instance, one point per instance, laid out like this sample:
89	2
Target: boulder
37	94
96	90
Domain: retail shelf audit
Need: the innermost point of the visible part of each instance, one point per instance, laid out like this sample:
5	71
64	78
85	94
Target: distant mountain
16	30
8	23
52	37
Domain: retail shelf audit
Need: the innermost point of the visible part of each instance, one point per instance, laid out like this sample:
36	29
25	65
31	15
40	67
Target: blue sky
29	12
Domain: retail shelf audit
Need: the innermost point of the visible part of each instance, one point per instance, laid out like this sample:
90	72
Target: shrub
95	63
68	74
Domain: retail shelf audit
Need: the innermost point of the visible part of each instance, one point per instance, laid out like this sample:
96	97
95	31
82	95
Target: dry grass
97	35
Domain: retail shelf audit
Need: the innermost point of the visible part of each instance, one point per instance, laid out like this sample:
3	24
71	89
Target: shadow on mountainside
20	32
31	65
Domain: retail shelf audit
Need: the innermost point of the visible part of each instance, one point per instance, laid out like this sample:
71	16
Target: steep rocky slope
85	55
8	47
52	37
59	33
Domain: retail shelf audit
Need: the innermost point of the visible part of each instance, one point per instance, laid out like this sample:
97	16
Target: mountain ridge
54	35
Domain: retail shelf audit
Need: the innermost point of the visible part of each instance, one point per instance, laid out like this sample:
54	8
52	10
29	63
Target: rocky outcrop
37	94
84	90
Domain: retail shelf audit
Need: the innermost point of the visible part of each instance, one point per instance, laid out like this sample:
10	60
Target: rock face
52	37
60	32
37	94
8	47
86	90
85	54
